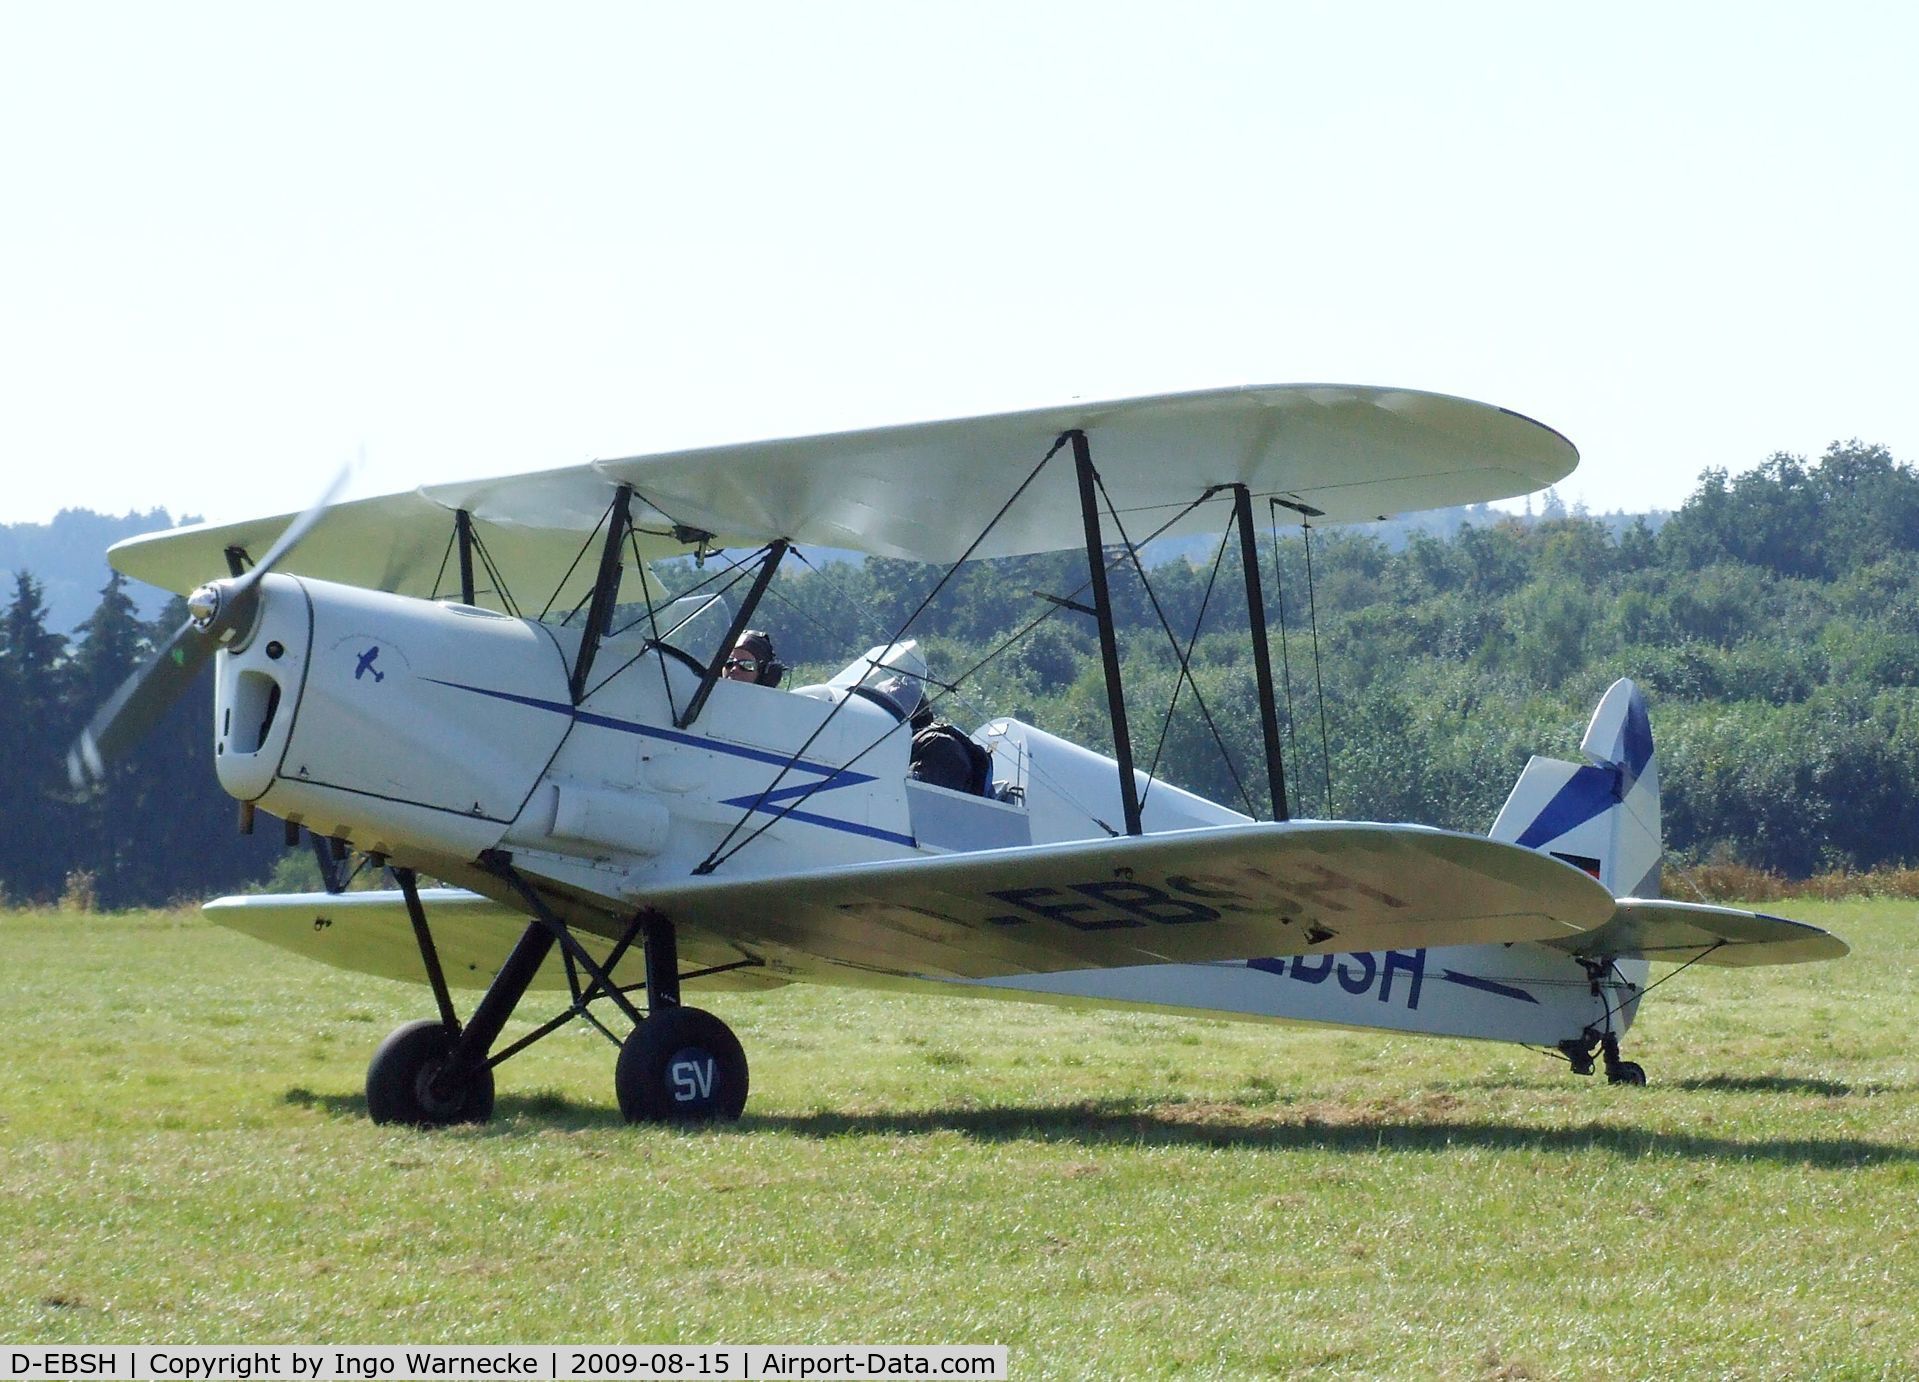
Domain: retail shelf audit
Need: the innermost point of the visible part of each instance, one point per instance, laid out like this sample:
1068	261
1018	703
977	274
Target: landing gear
679	1065
1620	1071
409	1082
1602	973
1580	1054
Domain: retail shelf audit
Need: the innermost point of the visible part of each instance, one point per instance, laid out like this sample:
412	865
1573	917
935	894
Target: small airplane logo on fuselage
366	665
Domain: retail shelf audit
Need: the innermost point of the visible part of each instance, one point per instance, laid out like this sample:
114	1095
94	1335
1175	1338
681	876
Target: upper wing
922	491
1652	929
1193	895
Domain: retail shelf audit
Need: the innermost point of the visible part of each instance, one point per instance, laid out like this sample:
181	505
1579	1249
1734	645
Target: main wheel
681	1065
399	1081
1627	1072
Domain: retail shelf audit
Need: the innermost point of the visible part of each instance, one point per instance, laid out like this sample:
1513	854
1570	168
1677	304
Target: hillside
1773	622
68	558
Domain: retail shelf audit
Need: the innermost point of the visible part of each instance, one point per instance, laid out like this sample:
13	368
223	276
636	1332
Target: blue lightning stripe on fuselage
768	802
873	832
1473	981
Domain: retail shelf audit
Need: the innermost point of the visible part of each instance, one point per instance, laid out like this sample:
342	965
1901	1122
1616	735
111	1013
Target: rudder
1602	816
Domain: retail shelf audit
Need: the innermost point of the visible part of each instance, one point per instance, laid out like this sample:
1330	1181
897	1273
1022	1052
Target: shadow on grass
1137	1123
1804	1086
1775	1084
1125	1122
545	1107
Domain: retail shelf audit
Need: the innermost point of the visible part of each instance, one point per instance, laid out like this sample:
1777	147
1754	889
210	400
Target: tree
180	823
113	643
34	850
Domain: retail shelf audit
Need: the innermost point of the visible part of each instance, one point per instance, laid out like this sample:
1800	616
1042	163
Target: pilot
947	756
752	660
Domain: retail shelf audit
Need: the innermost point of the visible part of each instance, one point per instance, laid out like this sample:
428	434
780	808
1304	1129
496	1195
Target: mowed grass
184	1157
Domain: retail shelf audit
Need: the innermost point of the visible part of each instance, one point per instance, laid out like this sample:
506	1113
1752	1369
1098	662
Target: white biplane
620	820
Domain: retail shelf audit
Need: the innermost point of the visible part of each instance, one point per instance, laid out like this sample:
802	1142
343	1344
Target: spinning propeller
216	613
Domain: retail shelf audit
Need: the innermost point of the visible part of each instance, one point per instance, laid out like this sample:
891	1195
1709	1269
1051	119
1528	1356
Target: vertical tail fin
1602	817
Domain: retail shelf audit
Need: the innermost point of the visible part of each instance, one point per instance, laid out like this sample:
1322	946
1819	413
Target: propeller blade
295	531
139	703
144	697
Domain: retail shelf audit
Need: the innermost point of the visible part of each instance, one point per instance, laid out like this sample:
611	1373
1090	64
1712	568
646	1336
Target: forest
1773	621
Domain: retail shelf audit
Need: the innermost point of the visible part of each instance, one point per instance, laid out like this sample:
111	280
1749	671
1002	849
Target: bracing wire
1186	671
735	572
574	566
1640	997
445	557
493	574
728	574
1172	701
1319	685
652	620
1285	660
720	854
954	689
1612	1009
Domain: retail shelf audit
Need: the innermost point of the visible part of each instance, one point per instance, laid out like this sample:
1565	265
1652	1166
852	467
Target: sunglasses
747	664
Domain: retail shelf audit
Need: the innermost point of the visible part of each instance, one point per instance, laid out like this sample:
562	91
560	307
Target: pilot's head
752	660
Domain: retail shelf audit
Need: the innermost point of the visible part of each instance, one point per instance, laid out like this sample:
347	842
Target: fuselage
430	733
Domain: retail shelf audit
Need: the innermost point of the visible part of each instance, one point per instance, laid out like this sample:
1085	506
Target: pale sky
243	243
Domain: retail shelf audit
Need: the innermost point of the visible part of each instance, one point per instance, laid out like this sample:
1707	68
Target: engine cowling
385	719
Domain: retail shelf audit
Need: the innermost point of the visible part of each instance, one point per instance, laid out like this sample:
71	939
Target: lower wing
370	933
1219	893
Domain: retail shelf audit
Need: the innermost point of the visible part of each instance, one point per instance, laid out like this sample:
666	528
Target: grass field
184	1158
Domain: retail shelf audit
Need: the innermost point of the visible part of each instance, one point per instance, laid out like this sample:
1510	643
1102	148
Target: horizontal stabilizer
370	933
1648	929
1216	893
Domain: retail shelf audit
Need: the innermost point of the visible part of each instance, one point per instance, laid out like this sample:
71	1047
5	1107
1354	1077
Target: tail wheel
681	1065
403	1083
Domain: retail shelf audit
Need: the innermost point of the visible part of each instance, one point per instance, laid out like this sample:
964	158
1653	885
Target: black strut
476	1039
775	551
501	865
662	962
606	591
463	531
1108	639
1262	656
429	953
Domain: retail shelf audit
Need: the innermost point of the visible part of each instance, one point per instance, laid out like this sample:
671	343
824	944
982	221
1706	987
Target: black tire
681	1065
399	1081
1627	1072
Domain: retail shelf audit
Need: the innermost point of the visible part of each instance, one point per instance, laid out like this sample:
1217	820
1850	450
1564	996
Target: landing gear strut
1579	1051
678	1065
1620	1071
